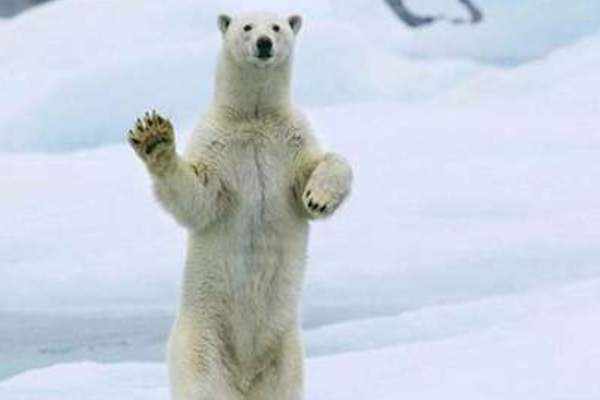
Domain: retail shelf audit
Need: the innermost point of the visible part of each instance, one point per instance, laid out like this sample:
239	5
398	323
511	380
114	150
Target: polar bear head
259	39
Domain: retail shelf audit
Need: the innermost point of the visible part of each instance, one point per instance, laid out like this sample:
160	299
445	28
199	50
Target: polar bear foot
153	140
319	201
327	187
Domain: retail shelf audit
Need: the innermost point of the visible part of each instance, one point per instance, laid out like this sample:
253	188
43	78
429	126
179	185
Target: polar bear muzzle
264	46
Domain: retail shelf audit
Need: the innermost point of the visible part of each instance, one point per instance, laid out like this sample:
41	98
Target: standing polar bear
251	178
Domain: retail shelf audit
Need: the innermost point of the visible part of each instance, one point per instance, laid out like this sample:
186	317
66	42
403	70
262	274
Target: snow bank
519	362
550	355
513	31
68	82
455	211
567	79
89	381
450	320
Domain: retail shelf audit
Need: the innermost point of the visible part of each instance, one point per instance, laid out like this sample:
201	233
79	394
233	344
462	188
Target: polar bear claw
153	140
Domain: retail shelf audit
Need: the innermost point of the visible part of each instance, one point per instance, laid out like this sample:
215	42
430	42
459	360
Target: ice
60	63
513	31
476	203
567	78
53	210
461	208
450	320
543	354
101	88
519	361
89	381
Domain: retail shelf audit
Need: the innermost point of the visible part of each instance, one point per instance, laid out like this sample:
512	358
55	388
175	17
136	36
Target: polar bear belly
261	251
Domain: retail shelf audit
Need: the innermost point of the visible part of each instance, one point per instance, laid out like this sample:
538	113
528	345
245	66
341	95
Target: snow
60	62
513	32
567	78
133	381
521	361
543	354
465	265
490	220
467	203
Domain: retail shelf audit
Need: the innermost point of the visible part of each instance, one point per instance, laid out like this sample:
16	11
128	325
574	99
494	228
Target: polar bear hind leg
195	370
282	378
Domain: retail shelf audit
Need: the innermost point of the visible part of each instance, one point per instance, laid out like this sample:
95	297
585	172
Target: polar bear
250	180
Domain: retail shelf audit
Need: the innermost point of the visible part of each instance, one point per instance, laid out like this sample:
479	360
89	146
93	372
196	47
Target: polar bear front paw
153	140
327	187
320	201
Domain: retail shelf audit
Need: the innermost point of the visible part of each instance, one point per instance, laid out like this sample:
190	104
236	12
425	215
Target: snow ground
550	355
466	263
484	229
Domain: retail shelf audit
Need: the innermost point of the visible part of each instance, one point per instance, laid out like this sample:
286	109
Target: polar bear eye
247	28
276	28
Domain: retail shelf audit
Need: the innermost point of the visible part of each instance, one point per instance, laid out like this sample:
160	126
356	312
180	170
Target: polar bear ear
295	22
223	21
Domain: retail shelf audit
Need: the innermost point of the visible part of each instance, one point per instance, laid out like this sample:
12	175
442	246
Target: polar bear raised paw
153	140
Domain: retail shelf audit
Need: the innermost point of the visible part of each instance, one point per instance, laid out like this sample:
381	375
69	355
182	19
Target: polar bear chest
261	176
263	228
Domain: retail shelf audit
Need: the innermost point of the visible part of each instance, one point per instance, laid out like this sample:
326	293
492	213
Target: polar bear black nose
264	46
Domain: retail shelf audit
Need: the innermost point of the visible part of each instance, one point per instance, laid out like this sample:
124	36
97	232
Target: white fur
243	189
